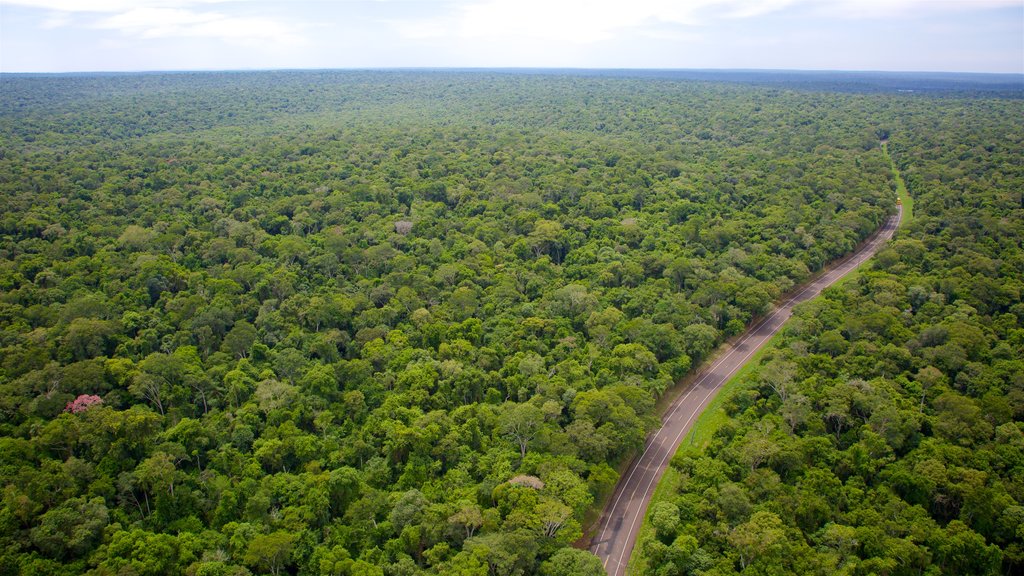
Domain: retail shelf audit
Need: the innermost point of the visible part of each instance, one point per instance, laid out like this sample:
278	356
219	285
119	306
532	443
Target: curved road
621	520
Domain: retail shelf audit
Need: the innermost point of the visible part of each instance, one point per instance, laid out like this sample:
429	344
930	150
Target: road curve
621	519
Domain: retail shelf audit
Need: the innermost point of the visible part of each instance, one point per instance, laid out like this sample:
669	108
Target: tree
152	388
572	562
521	423
763	536
778	375
469	517
320	382
959	419
161	379
634	359
553	515
70	529
734	502
83	403
328	311
408	509
679	271
929	377
699	339
270	552
272	395
960	550
463	302
88	338
665	519
508	553
546	239
573	301
157	474
795	411
240	339
140	552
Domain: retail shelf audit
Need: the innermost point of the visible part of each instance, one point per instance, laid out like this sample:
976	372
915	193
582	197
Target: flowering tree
83	403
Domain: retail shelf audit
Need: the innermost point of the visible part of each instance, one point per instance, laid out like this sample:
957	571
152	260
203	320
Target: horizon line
508	69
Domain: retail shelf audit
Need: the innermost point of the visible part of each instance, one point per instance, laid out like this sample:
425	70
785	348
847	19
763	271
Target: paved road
621	520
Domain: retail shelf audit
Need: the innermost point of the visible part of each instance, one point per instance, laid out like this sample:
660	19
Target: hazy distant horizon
955	36
1000	85
1015	76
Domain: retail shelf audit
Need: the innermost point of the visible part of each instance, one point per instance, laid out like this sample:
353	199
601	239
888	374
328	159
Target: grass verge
901	189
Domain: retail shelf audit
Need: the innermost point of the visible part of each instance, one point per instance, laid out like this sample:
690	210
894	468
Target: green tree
521	423
238	342
763	537
72	528
88	338
572	562
665	519
270	552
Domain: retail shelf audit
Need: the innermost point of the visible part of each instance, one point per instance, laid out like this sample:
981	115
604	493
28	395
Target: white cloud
880	9
423	28
753	8
575	21
142	18
57	20
589	21
107	5
147	19
155	22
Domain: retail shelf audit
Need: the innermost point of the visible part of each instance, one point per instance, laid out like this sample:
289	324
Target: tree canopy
410	322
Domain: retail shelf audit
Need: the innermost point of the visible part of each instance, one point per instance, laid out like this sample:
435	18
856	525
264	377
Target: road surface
621	520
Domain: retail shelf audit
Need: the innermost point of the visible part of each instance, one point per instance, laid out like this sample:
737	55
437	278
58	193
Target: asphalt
621	519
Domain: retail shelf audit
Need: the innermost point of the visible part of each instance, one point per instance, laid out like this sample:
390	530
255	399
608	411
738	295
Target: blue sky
116	35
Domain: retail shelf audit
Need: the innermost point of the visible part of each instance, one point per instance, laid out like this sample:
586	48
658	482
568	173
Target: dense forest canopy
882	434
411	322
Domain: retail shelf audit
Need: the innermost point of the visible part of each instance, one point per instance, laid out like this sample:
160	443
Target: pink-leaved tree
83	403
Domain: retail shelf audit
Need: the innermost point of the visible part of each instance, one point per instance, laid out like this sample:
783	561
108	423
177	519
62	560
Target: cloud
589	21
107	5
154	22
149	19
422	28
143	18
882	9
575	21
57	20
569	20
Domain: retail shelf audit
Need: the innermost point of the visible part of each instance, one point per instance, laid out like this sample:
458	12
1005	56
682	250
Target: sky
136	35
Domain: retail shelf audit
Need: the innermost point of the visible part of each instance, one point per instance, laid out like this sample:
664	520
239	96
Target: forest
400	323
882	433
